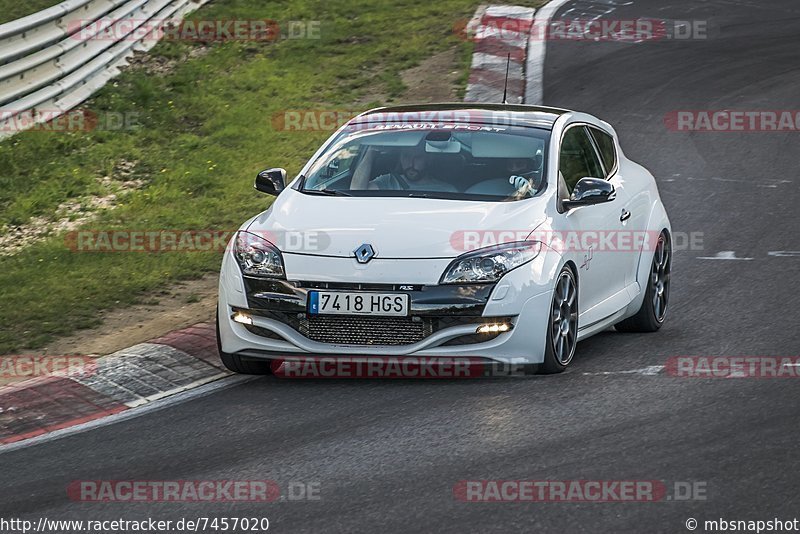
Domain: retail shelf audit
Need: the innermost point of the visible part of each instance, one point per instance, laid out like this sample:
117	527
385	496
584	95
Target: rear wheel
240	365
562	327
651	315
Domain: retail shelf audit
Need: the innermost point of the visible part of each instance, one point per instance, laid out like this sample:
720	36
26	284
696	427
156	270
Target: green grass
205	131
14	9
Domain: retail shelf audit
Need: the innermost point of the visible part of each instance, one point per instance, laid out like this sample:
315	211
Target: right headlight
490	264
258	257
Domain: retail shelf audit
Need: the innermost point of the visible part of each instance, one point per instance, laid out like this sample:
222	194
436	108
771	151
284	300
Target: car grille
370	330
353	330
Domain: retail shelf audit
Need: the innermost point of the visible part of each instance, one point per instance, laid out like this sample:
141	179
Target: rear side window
606	145
578	158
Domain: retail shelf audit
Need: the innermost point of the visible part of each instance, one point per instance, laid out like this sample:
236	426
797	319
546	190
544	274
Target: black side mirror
590	191
271	181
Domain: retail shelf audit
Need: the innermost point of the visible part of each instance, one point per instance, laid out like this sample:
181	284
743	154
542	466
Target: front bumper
449	317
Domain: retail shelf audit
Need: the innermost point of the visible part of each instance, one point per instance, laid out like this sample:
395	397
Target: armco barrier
43	66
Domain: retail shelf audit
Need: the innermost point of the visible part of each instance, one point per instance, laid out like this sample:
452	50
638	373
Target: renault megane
501	232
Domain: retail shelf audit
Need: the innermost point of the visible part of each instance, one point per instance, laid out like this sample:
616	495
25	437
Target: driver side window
578	158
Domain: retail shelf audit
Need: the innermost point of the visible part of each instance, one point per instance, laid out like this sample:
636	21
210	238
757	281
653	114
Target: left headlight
490	264
258	257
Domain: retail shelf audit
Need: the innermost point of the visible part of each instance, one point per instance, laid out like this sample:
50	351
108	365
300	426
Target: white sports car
501	232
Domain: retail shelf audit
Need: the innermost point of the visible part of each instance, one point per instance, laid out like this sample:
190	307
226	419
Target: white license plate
344	303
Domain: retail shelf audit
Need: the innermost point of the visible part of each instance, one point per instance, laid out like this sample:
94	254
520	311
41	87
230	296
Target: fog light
494	328
243	318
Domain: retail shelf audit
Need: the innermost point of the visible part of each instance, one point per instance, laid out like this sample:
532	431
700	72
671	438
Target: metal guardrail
50	62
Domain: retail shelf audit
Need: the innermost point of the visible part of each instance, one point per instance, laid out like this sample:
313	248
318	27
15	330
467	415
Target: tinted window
452	161
606	144
578	158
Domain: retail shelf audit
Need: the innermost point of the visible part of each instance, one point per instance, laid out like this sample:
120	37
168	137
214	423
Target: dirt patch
73	214
184	304
433	80
160	65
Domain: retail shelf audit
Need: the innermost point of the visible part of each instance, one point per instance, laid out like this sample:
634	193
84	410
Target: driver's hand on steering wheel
520	183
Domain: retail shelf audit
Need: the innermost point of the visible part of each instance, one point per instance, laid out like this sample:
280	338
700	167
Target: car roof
466	112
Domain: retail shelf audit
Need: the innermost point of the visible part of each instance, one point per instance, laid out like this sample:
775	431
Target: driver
519	168
410	173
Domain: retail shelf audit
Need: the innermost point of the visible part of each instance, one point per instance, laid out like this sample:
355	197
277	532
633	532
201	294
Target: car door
635	200
601	268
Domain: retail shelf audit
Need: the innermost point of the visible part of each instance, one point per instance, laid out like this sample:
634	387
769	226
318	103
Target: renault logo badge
364	253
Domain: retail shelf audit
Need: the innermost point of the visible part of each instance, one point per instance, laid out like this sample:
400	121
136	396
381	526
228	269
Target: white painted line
537	41
651	370
483	60
202	391
164	394
512	12
784	253
724	255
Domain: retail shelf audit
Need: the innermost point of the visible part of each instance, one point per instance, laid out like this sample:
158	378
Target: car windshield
448	161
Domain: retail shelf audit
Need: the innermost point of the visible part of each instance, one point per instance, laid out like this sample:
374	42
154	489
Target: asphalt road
386	454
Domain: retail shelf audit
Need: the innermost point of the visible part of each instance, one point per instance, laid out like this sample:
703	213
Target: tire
653	312
239	365
562	326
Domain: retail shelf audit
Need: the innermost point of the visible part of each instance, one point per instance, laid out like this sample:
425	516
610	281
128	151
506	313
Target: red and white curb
537	48
503	31
174	363
501	34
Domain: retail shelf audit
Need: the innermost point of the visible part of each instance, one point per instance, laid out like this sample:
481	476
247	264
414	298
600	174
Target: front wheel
653	312
562	327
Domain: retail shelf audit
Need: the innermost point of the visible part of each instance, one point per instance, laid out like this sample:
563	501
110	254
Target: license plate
344	303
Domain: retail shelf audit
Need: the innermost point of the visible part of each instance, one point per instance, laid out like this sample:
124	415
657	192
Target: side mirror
271	181
590	191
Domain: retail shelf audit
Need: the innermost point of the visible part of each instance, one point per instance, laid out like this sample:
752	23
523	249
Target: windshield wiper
328	192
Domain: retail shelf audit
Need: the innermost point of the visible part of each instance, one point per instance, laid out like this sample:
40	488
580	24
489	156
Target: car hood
394	227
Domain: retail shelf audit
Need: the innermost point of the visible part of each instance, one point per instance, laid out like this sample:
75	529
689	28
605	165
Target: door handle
625	215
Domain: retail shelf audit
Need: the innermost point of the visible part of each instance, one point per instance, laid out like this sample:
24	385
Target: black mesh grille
371	330
352	330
